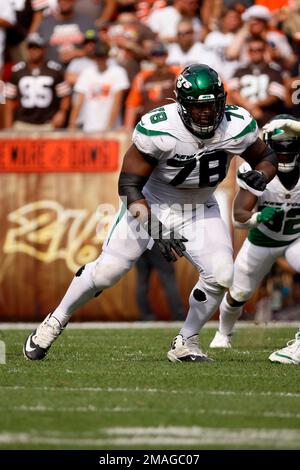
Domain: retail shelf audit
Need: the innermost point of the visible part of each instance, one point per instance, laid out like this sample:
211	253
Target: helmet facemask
288	152
202	117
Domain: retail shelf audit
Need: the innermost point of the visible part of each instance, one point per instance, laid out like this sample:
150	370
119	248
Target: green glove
268	213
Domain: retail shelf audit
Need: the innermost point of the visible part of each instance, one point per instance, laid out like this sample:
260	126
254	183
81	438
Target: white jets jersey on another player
286	228
189	168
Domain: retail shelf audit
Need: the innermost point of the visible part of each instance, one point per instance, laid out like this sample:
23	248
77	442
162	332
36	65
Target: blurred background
76	75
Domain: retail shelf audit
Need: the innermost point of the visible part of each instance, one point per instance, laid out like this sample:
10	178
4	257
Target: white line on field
152	390
119	409
162	436
196	431
146	325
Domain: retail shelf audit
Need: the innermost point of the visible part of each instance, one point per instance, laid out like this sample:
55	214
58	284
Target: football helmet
287	147
201	99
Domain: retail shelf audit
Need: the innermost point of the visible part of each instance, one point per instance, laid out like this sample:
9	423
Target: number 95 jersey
188	168
38	91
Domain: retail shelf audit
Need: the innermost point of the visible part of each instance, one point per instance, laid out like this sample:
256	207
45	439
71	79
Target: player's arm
243	216
135	172
243	206
263	161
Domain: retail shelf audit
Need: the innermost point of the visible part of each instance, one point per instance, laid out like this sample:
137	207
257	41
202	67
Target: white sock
228	316
200	310
80	291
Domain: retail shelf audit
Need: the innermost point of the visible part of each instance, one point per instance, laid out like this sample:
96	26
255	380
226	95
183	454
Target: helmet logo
206	97
183	82
219	80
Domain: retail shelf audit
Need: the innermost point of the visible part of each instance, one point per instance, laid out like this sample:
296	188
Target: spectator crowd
98	65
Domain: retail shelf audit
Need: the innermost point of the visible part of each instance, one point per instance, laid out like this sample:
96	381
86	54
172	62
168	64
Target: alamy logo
2	353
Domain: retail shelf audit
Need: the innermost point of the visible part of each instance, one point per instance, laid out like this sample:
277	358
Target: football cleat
221	341
290	354
186	350
39	341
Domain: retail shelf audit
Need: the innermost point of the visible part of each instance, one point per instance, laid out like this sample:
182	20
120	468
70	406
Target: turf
114	389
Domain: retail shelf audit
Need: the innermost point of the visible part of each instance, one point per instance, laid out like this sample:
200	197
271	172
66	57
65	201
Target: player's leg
143	271
290	354
251	265
121	248
212	255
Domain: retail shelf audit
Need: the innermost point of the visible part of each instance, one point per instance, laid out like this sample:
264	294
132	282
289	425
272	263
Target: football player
180	153
274	231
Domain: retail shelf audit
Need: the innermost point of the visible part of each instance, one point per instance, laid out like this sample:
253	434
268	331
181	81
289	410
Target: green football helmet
286	147
201	99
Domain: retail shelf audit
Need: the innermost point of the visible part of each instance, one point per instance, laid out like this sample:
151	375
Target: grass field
114	389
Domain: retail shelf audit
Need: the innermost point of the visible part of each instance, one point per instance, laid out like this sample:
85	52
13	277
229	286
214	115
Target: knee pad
240	295
203	286
224	275
108	270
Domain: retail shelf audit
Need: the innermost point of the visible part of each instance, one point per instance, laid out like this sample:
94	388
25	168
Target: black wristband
270	156
130	186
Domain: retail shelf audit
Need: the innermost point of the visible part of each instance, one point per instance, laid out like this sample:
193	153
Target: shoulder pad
239	121
239	130
152	144
53	65
18	66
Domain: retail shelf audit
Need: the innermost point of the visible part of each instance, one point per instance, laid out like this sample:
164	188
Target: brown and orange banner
59	155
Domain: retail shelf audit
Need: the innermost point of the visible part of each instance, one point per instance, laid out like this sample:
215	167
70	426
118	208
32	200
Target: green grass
96	381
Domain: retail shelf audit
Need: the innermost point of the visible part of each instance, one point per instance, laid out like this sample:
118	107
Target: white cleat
186	350
288	355
221	341
39	341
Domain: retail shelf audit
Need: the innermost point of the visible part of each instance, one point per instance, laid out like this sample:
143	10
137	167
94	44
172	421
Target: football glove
290	127
255	179
167	240
268	214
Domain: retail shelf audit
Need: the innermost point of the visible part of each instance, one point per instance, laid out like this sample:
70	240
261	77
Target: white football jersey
287	227
189	169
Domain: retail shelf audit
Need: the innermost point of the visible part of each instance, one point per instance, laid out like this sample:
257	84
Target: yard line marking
162	436
197	431
136	325
153	390
71	409
119	409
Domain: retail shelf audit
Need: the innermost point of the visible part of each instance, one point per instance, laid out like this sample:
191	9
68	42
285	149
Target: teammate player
180	153
274	231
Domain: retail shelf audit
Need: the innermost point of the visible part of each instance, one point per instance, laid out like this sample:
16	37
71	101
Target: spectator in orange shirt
151	88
